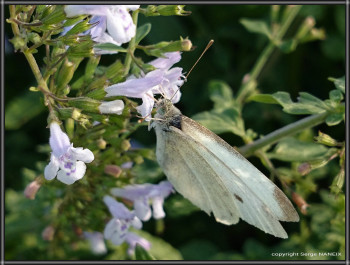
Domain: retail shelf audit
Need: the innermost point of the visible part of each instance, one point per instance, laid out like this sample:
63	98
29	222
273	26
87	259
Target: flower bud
138	159
101	144
338	182
300	202
171	10
31	189
113	170
304	168
85	103
56	16
125	145
186	45
79	28
65	113
112	107
48	233
305	28
18	43
65	75
34	37
325	139
91	67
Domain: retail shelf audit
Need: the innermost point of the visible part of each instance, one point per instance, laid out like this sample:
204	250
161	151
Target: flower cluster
114	24
117	229
163	81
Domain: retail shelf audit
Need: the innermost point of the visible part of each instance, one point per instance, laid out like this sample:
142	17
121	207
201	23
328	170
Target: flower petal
132	192
76	10
131	7
69	177
132	239
59	141
81	154
117	209
120	25
157	206
99	28
166	63
145	109
142	209
51	169
136	88
110	228
136	223
97	243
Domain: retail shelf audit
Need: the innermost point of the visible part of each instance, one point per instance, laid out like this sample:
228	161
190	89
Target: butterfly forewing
215	177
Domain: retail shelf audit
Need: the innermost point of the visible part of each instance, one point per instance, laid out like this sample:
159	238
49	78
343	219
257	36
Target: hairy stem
288	130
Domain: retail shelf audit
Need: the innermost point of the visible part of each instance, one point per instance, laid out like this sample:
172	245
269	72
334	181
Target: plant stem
36	71
288	130
14	26
132	46
248	86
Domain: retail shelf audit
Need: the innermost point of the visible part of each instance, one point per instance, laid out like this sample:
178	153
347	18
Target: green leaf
263	98
142	32
336	95
335	118
110	47
291	149
339	83
221	94
220	121
160	249
307	103
21	109
142	254
256	26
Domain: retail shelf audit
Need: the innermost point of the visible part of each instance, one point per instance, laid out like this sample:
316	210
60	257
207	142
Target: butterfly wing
192	176
260	185
213	181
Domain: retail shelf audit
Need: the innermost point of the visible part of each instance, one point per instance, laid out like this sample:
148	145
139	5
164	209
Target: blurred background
192	233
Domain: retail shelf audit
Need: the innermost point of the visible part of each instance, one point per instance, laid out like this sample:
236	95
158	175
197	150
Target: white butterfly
215	177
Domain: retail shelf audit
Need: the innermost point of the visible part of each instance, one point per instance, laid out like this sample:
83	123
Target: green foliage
225	116
22	109
293	150
256	26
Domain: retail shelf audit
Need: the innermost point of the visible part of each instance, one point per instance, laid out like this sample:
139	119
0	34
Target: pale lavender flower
112	107
143	195
132	239
67	162
115	19
163	81
117	228
96	241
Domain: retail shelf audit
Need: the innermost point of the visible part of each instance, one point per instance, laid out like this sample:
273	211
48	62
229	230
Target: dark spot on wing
238	198
176	121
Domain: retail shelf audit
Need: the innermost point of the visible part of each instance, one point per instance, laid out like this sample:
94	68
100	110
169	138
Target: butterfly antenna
206	48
